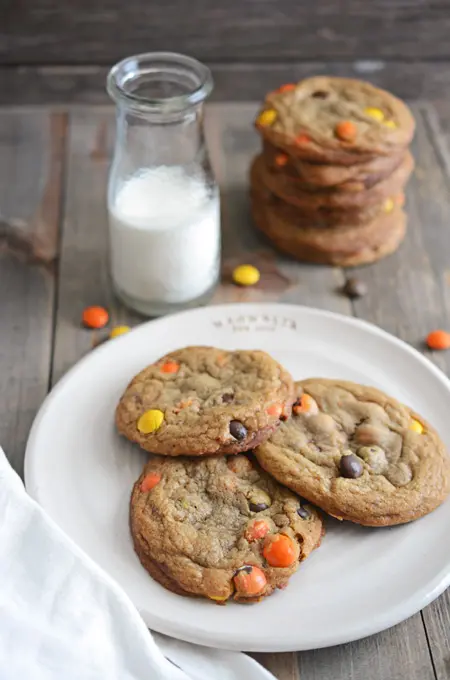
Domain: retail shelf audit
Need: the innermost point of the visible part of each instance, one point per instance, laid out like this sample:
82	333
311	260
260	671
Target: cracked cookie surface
203	400
305	119
219	527
358	454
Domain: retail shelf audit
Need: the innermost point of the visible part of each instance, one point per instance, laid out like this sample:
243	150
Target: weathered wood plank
83	267
66	85
31	169
437	162
222	30
396	654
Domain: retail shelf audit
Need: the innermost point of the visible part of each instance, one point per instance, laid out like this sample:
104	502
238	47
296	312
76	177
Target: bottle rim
122	81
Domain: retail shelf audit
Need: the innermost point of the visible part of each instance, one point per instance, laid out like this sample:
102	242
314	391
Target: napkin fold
64	618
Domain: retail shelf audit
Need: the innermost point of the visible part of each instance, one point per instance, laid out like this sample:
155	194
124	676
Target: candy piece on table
415	426
354	288
150	421
376	114
280	550
246	275
250	581
267	117
350	466
438	340
346	130
305	404
281	159
118	331
256	530
95	317
170	367
150	481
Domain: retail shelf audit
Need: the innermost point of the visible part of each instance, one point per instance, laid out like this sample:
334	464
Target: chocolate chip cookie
358	454
344	246
203	400
335	120
219	527
293	191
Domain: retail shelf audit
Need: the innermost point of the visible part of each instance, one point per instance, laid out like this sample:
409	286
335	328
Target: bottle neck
150	140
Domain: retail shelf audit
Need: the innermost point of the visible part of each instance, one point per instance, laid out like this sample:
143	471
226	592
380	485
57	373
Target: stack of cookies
224	509
329	184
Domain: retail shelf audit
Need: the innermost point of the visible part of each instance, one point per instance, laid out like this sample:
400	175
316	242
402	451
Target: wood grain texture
67	85
83	268
396	654
436	119
82	32
31	170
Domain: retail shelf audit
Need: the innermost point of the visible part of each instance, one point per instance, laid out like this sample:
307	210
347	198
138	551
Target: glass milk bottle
163	202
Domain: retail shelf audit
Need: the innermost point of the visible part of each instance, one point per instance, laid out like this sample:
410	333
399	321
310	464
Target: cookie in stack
328	186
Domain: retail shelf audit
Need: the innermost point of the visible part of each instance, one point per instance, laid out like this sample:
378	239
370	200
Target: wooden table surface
53	236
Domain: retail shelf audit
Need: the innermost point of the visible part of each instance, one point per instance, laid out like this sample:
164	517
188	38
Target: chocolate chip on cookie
363	457
202	400
193	533
350	466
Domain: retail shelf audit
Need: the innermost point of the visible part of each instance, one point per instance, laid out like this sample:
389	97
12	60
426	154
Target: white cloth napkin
63	618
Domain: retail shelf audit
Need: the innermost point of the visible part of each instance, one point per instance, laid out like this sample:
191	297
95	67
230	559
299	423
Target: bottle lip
122	81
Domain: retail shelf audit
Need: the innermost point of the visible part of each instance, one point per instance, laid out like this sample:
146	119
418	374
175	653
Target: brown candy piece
350	466
238	430
355	288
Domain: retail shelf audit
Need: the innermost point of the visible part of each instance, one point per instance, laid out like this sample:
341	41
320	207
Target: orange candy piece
280	550
346	130
438	340
170	367
95	317
275	410
256	530
302	139
150	481
305	404
286	88
250	581
400	200
281	159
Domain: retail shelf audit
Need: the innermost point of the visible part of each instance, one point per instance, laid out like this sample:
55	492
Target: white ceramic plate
359	582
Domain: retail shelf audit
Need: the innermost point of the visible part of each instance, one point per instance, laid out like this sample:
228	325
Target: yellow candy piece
267	117
119	330
415	426
390	124
388	205
376	114
218	599
150	421
246	275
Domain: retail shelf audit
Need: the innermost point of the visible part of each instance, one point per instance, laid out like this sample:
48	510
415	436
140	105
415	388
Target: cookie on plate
219	527
335	120
358	454
342	246
203	400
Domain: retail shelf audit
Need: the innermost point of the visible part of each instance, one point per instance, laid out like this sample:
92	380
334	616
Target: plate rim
415	603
